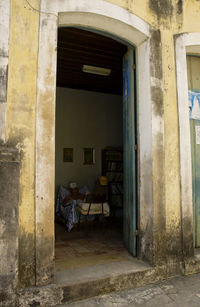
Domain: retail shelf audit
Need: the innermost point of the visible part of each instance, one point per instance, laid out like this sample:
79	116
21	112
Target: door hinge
136	233
135	147
133	66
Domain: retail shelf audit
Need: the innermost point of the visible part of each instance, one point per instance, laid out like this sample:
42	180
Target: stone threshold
82	283
85	282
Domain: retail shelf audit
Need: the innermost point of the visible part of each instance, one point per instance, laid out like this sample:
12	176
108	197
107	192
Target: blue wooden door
195	149
129	139
193	69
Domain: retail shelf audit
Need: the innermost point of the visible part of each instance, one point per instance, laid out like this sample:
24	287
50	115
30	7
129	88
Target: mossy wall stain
45	266
26	258
159	216
188	248
156	54
3	83
162	8
180	7
9	202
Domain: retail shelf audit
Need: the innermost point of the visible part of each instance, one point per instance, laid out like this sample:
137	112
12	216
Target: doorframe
115	21
186	43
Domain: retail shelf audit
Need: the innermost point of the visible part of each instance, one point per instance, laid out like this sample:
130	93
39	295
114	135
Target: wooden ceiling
77	47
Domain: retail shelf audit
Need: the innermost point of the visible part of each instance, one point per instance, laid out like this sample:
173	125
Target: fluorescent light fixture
96	70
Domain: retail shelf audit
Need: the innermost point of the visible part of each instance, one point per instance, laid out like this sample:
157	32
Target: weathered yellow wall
170	18
22	78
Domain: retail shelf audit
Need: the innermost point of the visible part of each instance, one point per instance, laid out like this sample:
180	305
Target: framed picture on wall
68	154
88	156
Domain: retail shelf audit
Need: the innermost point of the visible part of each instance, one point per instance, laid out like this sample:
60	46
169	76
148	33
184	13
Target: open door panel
129	213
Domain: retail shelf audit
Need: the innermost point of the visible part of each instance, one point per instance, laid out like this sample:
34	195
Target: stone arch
113	21
185	43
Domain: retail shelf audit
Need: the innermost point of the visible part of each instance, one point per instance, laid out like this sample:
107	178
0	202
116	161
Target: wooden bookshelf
112	168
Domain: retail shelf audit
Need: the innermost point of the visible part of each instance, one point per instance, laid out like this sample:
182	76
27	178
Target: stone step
85	282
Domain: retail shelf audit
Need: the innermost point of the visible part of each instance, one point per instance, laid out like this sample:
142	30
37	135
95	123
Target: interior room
89	150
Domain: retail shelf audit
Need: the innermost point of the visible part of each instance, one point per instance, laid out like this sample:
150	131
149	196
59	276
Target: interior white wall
85	119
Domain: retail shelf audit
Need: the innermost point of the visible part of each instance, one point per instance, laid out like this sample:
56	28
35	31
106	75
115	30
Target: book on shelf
114	176
114	166
113	155
116	188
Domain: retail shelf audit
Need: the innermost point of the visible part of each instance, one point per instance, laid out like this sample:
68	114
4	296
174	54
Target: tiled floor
99	243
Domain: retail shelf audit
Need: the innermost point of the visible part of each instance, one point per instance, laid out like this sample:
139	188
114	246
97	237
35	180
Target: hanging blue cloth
194	104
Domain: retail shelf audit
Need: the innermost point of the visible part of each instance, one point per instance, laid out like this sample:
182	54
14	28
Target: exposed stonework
51	295
9	197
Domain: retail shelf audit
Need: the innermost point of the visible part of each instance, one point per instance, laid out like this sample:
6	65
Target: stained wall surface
21	96
167	18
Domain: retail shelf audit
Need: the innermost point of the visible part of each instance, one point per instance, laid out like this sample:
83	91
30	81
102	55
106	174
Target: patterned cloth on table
68	210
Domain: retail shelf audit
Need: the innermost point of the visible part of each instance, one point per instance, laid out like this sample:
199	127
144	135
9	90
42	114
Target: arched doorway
95	99
110	19
187	43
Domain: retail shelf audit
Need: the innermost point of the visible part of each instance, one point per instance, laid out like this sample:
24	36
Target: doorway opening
96	142
193	70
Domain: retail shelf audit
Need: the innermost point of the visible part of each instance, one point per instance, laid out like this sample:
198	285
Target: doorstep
85	282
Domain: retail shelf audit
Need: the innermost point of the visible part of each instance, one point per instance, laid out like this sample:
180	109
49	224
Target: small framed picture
88	156
68	154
